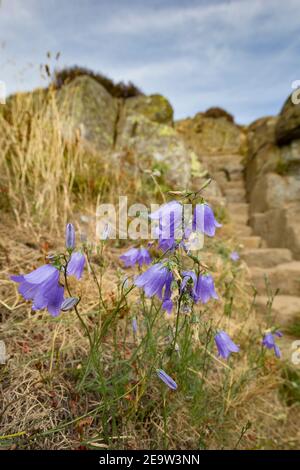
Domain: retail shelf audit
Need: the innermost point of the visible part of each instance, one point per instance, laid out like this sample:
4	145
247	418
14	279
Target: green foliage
221	214
282	167
293	329
290	389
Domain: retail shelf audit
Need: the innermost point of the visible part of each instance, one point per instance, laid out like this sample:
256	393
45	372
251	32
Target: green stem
76	309
177	324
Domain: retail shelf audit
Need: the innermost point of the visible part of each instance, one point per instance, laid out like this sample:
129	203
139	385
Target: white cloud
238	54
232	15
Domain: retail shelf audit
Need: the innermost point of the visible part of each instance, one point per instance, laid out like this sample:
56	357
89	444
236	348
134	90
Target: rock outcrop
156	108
142	125
212	135
219	145
259	185
273	179
146	128
288	124
86	108
255	171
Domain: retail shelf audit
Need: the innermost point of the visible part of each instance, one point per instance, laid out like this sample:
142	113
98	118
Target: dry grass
44	181
37	165
46	173
38	384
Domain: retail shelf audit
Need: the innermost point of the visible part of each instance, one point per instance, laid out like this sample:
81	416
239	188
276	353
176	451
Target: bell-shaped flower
154	280
167	244
167	301
166	379
43	288
70	237
69	303
188	277
134	256
76	264
225	344
269	342
205	289
234	256
204	220
170	221
134	325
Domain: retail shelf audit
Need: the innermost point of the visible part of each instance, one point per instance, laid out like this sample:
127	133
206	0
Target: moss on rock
154	107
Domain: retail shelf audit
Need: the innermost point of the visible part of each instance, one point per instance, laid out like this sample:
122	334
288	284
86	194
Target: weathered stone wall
273	178
142	125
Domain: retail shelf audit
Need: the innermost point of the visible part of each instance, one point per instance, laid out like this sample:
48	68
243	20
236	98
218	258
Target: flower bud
69	303
134	325
70	237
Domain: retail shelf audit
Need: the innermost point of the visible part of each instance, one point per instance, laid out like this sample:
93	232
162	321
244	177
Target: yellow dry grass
39	396
45	181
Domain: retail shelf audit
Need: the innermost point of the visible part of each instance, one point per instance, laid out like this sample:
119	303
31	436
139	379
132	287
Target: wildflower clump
171	278
46	286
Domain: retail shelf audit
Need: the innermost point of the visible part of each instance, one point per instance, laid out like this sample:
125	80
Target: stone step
250	242
230	180
238	208
235	195
225	159
242	230
266	257
238	183
285	308
236	191
285	277
236	175
238	218
238	212
230	165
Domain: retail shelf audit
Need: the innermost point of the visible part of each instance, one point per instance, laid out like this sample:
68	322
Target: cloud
237	54
234	16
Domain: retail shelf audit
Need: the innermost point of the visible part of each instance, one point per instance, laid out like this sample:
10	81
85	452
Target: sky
241	55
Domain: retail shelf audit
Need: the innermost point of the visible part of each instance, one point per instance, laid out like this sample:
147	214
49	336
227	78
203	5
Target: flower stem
76	309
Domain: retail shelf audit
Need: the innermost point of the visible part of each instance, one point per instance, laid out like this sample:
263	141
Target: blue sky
241	55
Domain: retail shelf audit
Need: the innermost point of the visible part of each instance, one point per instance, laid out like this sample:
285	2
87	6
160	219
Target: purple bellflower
76	264
269	342
200	288
166	379
43	288
169	217
134	326
154	280
204	220
205	289
234	256
166	244
70	237
167	301
134	256
225	344
69	303
185	284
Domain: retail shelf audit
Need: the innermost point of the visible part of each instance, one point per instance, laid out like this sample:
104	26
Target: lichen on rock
154	107
153	142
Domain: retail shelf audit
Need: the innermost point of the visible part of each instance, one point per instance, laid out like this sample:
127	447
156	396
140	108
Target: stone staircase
274	264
